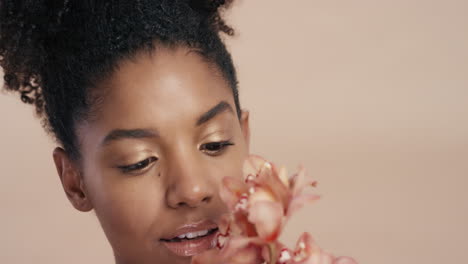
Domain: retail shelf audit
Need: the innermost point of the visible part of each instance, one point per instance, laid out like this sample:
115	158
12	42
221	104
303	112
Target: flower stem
271	248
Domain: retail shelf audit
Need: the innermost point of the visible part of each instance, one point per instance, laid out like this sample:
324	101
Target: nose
189	186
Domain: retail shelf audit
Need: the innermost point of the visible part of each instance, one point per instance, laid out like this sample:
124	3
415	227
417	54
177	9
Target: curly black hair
54	52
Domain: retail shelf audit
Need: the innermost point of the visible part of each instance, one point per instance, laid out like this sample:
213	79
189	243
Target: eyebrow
210	114
140	133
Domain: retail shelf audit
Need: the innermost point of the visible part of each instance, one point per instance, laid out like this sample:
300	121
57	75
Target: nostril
194	204
189	197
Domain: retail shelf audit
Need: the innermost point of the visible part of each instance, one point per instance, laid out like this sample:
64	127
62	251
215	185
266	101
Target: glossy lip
192	227
191	247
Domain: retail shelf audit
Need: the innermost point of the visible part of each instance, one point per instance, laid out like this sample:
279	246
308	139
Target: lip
192	247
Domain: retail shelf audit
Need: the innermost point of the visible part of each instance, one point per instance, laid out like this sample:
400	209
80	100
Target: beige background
372	96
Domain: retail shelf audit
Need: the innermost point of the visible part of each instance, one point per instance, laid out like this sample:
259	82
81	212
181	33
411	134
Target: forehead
167	85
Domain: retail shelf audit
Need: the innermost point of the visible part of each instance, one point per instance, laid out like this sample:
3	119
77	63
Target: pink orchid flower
260	203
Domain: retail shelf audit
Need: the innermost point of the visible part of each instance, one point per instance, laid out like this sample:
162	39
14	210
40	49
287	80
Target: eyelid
227	141
223	145
146	163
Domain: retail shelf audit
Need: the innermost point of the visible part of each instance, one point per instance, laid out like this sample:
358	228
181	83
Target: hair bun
211	10
24	26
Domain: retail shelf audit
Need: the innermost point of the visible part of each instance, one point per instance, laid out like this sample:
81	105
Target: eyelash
221	145
138	166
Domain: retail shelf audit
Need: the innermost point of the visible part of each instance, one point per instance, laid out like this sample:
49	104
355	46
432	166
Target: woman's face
160	141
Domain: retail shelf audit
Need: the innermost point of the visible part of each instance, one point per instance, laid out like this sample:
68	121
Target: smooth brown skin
165	92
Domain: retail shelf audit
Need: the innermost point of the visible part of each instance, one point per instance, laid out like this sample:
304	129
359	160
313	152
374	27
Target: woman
142	99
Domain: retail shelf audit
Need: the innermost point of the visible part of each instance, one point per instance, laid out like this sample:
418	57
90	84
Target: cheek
230	165
234	166
237	159
127	206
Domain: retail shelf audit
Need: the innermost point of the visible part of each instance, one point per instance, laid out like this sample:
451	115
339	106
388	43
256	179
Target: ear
244	122
72	180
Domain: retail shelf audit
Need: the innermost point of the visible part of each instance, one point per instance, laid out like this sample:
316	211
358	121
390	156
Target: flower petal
269	178
242	226
285	256
231	190
305	247
224	224
299	181
242	250
267	218
248	255
260	193
238	250
252	166
283	175
299	201
260	172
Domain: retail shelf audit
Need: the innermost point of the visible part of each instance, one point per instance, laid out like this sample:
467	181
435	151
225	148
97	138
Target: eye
138	166
215	148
